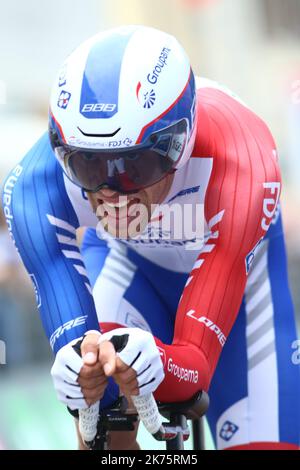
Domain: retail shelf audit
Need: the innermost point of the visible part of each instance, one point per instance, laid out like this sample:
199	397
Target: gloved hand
81	381
139	369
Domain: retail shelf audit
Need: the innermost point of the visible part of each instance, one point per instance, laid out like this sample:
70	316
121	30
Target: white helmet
123	109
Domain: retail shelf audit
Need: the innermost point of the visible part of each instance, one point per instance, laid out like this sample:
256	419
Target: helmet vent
99	135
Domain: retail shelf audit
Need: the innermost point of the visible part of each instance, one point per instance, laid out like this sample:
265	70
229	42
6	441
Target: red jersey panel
240	201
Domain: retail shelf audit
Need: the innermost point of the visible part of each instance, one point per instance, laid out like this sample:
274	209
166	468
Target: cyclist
136	148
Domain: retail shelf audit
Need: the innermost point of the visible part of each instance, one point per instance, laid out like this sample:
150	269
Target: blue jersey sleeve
42	223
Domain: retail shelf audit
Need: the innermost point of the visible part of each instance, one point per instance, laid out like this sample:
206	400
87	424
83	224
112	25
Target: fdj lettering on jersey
159	66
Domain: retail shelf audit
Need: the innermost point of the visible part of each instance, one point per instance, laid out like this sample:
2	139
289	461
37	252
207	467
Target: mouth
121	208
117	205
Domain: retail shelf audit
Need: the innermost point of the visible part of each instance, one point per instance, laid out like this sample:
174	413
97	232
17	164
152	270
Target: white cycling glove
138	350
135	347
65	371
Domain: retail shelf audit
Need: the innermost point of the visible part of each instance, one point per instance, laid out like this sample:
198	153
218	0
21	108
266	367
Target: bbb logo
98	107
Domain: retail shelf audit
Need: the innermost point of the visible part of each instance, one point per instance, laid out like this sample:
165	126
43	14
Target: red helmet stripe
59	127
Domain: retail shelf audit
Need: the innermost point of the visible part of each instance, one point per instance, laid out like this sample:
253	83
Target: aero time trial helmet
123	110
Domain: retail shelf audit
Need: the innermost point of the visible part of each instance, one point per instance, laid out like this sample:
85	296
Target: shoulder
39	162
207	88
225	121
245	170
36	180
228	131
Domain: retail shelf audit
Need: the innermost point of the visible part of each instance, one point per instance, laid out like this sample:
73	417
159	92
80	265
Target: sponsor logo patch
64	99
209	324
187	375
185	192
163	356
250	257
98	107
7	198
270	203
62	77
159	67
145	98
228	430
65	327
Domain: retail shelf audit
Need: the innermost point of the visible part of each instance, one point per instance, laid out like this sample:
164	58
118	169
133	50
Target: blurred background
251	46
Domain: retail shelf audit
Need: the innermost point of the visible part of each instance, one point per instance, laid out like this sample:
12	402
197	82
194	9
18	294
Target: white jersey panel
161	242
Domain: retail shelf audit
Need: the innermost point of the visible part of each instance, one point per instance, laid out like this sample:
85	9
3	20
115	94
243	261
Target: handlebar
88	420
149	412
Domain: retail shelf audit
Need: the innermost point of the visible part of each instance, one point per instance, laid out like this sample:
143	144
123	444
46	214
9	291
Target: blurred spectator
19	323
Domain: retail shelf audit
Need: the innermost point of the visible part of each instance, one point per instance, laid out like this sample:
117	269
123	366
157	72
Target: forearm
186	372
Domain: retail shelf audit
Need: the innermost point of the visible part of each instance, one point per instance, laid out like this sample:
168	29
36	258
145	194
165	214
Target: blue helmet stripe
100	84
180	109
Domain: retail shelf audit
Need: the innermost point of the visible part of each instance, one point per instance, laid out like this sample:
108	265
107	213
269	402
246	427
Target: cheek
147	200
152	196
93	201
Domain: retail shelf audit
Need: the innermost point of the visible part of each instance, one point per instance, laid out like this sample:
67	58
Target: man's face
126	216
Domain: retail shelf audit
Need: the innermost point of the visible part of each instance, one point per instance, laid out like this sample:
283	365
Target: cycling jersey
233	172
254	393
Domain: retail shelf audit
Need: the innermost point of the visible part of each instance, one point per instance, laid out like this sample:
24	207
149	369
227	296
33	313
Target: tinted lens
126	170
